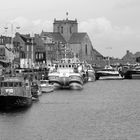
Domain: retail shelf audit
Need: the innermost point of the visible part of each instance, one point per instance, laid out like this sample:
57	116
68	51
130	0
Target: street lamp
32	50
12	53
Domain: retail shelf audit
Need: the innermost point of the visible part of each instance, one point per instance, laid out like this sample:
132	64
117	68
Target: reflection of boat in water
108	73
45	86
132	73
15	92
91	75
66	76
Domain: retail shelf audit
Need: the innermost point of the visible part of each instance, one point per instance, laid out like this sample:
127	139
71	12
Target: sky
112	25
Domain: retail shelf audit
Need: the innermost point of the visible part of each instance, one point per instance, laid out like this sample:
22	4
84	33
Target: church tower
65	27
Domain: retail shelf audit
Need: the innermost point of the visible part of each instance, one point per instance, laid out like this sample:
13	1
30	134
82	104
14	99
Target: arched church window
86	52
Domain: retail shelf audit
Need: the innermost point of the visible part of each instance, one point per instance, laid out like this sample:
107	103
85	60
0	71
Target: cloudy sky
112	25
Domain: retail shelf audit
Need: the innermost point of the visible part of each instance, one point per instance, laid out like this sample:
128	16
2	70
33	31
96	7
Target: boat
132	72
66	75
15	92
45	86
35	90
108	73
90	73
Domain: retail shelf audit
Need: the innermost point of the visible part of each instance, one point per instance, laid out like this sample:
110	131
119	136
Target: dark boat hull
12	102
132	74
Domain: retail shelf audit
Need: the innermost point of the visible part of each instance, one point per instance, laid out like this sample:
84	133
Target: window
10	84
5	84
62	30
37	56
86	52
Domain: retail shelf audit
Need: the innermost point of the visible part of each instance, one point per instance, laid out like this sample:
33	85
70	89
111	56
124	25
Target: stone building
53	43
65	34
129	57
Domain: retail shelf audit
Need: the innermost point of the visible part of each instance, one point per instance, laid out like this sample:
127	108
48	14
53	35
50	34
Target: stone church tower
65	27
66	32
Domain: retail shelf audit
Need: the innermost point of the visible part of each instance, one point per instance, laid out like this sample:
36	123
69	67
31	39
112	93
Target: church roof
77	38
55	35
97	53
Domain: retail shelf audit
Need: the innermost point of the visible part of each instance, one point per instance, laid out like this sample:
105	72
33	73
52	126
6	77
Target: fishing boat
66	75
132	73
45	86
15	92
108	73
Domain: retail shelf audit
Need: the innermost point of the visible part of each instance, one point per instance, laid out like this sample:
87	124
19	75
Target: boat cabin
15	86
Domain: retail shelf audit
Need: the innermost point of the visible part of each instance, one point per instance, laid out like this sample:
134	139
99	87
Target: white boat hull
111	78
110	74
76	86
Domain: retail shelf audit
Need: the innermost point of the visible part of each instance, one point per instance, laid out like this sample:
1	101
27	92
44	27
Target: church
65	36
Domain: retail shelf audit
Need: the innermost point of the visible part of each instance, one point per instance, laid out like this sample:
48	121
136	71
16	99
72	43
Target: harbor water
103	110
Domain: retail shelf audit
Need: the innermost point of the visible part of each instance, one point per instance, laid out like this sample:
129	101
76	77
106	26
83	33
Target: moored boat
66	76
15	92
108	73
45	86
132	73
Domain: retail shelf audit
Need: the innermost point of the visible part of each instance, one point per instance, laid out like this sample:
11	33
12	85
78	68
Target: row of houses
63	41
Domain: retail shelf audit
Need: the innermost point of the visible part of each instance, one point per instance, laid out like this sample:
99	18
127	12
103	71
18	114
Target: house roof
77	38
128	55
25	37
55	35
137	54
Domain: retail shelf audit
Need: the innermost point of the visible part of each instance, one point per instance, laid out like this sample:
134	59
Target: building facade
6	50
29	50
